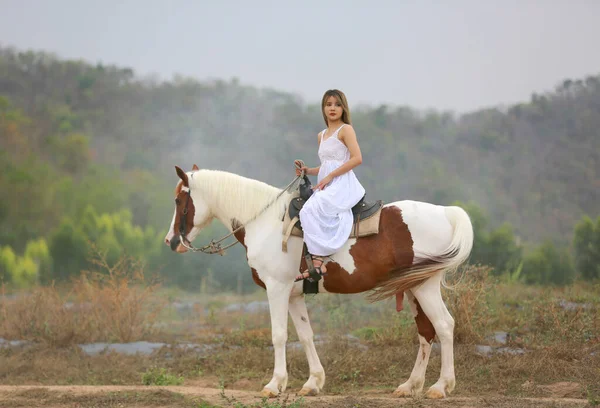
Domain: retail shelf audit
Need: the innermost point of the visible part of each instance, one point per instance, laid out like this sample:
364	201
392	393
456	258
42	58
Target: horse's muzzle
175	243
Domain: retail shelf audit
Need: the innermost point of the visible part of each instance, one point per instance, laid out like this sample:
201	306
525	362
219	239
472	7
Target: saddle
366	215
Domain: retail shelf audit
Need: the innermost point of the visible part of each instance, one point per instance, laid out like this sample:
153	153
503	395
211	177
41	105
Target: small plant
515	276
123	302
367	333
593	395
264	403
160	376
352	377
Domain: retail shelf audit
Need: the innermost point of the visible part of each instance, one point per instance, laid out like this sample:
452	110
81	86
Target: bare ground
197	397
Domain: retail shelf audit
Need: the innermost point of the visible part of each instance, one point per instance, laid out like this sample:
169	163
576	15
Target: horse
417	244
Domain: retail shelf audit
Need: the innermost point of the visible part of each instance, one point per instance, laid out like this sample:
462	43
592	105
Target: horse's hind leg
299	316
429	297
414	385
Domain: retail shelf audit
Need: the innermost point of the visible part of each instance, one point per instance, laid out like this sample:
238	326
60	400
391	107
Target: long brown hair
339	95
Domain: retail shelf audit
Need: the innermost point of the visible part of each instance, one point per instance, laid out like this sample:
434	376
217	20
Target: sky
458	55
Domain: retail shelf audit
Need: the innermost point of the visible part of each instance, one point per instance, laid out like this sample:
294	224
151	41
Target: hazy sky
444	54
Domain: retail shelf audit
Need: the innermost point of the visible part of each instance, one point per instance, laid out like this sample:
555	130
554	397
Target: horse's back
429	227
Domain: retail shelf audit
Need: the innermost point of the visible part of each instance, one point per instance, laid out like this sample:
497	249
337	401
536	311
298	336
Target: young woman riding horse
326	218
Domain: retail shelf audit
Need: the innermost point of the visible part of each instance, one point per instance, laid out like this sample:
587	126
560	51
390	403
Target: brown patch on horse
399	301
240	236
424	325
183	196
375	256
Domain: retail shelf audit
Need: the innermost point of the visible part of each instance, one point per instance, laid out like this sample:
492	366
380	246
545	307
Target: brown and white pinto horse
416	245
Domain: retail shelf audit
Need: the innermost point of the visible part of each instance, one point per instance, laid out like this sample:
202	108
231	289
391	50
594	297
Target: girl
326	217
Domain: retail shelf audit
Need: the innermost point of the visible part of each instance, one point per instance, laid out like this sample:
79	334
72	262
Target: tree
586	244
548	265
69	250
503	251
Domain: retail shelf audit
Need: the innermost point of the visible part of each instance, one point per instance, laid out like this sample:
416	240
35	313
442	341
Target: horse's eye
177	201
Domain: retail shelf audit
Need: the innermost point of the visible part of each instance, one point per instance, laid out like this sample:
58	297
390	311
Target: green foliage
547	264
586	243
27	270
69	249
72	152
99	137
8	263
25	273
497	248
160	376
367	333
39	253
503	252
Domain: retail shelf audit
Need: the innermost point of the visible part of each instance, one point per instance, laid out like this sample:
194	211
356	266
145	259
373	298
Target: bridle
214	247
183	217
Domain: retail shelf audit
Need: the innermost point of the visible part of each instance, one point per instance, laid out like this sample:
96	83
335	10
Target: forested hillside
92	143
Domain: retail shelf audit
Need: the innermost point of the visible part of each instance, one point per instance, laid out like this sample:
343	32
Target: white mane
233	196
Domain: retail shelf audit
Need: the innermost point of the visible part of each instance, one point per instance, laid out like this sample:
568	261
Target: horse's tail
449	260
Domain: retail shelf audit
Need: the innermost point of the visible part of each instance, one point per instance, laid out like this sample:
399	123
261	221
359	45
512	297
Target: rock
252	307
500	337
485	351
508	350
573	306
13	343
144	347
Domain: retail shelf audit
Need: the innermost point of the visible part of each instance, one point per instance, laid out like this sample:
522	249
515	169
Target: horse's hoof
308	392
267	393
402	393
407	390
434	393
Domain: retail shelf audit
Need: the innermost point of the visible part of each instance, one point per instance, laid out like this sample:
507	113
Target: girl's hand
300	169
323	183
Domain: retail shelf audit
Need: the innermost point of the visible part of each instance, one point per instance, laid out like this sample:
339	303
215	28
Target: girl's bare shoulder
347	130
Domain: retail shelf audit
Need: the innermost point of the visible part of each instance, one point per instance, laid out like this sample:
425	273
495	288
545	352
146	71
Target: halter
214	247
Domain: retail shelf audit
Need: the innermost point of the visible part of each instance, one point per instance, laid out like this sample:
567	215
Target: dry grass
40	397
69	366
561	339
469	304
113	304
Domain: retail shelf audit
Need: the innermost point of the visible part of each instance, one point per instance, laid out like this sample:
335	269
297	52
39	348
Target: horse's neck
235	198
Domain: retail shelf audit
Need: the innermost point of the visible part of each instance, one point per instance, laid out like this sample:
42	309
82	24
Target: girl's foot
316	273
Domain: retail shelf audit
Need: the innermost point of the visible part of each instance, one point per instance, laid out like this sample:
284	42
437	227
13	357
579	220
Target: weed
265	402
160	376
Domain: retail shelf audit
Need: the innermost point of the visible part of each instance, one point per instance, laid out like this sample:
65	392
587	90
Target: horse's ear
195	167
182	176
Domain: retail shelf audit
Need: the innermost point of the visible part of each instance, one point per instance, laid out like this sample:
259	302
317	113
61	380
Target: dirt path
174	396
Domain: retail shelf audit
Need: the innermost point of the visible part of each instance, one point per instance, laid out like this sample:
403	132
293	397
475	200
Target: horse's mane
234	194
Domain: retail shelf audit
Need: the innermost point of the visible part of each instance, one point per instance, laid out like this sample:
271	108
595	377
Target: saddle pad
365	227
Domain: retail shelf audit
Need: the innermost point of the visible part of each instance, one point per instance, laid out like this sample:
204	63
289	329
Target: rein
214	247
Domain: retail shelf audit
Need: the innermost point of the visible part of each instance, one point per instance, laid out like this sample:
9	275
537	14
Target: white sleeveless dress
326	217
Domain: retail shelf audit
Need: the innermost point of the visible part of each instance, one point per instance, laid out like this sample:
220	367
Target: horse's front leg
299	315
279	297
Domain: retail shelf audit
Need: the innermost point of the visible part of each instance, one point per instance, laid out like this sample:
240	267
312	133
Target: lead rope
215	246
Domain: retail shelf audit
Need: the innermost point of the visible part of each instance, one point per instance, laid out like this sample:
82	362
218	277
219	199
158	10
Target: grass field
547	343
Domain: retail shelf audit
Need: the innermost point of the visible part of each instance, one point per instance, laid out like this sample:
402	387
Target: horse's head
191	213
